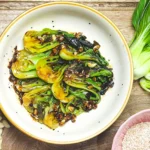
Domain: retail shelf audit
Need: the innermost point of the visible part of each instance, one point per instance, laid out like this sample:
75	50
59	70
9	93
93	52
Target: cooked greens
59	75
38	42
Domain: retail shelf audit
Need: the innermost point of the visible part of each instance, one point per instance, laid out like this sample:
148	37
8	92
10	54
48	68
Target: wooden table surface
120	12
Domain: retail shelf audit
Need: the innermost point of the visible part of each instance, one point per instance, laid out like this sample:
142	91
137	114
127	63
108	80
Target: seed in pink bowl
137	137
137	119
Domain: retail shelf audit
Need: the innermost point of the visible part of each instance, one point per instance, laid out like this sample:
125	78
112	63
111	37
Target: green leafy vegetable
40	41
141	22
147	76
144	56
29	85
46	72
35	95
138	13
79	93
23	74
60	93
101	72
70	55
77	83
94	84
145	84
142	70
60	75
140	46
25	65
50	120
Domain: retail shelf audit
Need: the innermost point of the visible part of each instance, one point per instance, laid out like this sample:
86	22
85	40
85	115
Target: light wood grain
120	12
85	1
113	6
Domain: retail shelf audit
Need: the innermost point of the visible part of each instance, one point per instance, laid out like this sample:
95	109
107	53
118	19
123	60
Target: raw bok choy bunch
59	75
140	46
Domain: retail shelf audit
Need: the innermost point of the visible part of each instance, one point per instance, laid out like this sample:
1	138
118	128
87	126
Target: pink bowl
143	116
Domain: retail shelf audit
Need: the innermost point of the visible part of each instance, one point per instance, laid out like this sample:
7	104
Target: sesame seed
137	137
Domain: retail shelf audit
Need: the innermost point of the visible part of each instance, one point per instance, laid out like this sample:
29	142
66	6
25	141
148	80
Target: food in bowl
59	75
137	137
133	133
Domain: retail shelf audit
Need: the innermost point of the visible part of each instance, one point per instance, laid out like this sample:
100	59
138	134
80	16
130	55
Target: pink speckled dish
143	116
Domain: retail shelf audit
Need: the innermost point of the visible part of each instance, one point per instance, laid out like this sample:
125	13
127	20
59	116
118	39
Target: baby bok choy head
142	71
140	46
29	85
35	96
49	70
39	102
25	65
61	93
82	85
50	119
145	84
141	23
77	78
72	54
40	41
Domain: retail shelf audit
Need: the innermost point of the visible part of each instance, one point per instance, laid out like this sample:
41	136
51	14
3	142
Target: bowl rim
130	61
119	131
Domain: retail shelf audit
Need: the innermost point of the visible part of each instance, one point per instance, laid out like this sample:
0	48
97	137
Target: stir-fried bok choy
59	75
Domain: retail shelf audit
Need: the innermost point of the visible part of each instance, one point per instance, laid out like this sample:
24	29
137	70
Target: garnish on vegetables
59	75
140	46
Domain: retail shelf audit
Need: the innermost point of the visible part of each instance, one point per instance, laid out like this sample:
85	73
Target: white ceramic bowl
143	116
78	18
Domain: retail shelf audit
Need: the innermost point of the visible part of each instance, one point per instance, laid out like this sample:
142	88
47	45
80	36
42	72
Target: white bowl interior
78	19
